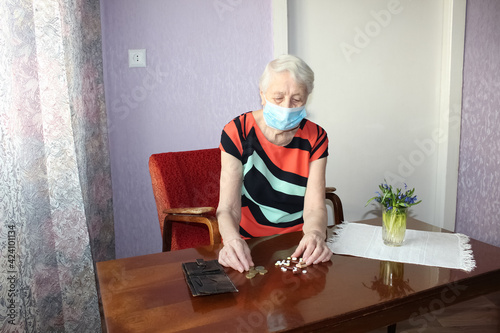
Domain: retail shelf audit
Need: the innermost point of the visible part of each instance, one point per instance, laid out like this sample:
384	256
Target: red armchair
186	191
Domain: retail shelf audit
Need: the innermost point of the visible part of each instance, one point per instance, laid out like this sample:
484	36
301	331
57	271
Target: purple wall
204	59
478	203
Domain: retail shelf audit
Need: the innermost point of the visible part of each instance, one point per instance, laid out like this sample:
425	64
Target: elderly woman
273	169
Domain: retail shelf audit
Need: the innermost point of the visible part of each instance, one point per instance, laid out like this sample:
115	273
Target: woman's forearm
229	209
228	224
315	218
315	221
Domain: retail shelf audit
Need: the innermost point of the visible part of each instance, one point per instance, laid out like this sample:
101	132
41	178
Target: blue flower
395	198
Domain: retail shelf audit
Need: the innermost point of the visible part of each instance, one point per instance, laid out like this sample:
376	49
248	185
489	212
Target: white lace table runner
420	247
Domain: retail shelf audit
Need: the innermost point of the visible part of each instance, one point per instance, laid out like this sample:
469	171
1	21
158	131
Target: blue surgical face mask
281	118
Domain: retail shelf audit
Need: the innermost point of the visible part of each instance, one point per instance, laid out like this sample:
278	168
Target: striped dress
274	177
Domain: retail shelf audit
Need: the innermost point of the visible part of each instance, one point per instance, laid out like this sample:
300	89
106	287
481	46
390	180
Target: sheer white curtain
55	187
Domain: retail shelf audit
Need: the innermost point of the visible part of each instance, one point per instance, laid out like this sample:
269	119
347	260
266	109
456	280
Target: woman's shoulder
318	139
310	128
241	123
245	117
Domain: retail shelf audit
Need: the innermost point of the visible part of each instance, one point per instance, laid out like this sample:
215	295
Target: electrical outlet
137	58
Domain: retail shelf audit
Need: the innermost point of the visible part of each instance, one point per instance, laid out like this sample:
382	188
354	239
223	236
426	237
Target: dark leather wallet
207	278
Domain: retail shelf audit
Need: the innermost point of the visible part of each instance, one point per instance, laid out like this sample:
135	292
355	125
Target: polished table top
349	294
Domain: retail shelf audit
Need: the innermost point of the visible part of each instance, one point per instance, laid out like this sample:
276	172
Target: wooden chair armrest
209	220
330	189
337	204
190	210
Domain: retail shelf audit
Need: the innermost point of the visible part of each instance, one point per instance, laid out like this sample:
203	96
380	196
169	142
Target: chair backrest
185	179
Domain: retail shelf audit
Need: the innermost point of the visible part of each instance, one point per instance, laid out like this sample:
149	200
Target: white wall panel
378	93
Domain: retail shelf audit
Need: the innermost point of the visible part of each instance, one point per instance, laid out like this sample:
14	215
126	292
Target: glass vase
394	226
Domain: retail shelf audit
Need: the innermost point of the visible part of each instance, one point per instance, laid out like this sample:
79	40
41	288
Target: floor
481	314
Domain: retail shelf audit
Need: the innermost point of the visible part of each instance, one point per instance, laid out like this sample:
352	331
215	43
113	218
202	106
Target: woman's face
284	91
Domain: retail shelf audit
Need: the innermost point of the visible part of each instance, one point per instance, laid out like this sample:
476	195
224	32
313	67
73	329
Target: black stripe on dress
260	189
252	145
261	218
229	146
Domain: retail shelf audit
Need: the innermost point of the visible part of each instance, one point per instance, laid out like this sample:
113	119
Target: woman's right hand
236	254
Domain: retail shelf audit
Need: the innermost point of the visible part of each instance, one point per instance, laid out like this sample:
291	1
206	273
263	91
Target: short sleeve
319	142
232	136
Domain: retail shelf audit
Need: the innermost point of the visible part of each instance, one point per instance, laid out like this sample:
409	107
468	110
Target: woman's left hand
312	248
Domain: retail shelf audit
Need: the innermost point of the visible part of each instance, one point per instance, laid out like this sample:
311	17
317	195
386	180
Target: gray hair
297	68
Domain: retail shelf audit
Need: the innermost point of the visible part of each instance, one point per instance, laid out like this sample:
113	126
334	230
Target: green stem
395	225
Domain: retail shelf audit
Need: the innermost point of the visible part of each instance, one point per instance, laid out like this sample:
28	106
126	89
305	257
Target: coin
253	271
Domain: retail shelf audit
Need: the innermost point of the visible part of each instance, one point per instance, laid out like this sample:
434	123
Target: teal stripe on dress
277	184
273	215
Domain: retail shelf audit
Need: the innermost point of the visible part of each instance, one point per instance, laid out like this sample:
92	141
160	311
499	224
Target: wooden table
349	294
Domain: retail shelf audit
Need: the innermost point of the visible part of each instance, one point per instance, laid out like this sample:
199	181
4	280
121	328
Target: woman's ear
262	98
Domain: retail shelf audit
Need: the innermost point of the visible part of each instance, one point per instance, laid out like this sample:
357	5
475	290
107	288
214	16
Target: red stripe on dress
259	230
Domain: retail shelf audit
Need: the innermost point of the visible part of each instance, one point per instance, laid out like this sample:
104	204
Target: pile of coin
253	271
296	265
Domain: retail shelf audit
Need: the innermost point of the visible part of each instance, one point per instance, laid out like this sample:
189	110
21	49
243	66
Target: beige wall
382	74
